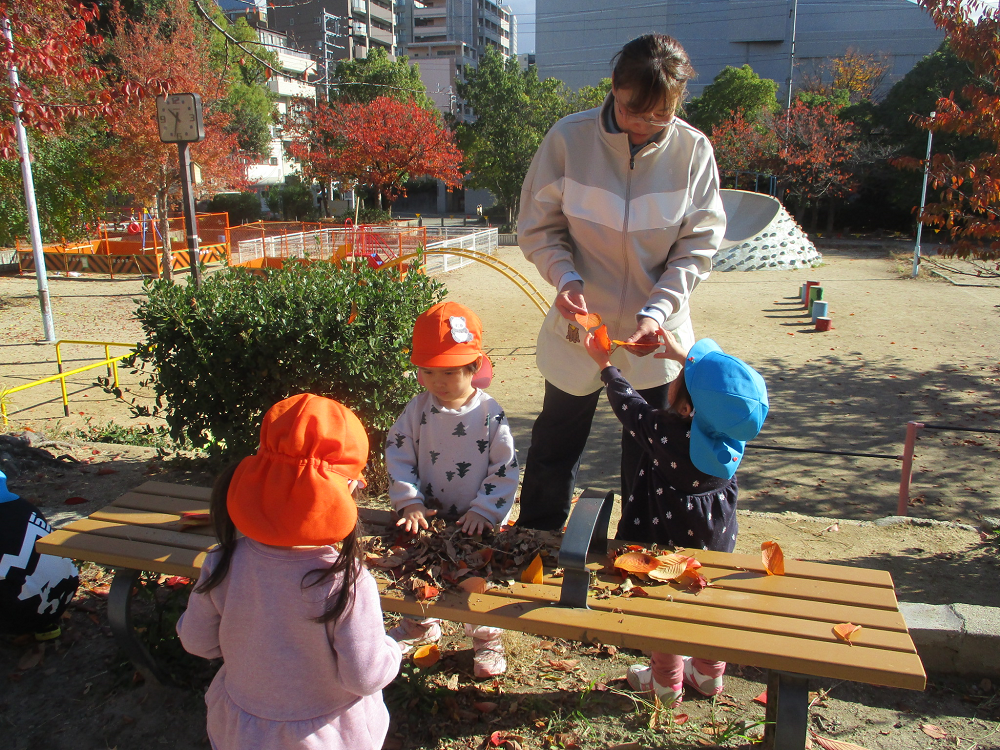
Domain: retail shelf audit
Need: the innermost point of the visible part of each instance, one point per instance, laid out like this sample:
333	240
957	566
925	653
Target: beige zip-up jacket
639	230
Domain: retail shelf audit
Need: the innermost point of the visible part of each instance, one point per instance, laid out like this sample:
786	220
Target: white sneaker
412	633
488	659
707	686
641	680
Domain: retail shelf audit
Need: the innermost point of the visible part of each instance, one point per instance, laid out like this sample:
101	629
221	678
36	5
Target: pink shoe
707	686
488	659
412	633
641	680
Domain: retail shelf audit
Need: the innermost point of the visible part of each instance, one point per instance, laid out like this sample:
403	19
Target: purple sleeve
198	627
367	658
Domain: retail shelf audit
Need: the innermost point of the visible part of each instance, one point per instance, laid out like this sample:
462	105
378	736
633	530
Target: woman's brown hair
348	562
655	69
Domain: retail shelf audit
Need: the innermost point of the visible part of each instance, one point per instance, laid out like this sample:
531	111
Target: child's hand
596	352
672	346
415	518
472	523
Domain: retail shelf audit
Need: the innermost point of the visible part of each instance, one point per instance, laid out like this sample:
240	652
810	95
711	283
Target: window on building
273	161
423	21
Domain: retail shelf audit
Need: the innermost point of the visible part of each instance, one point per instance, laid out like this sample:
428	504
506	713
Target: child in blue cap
35	589
684	492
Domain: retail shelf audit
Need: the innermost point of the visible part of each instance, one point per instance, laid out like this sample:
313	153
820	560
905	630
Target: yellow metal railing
110	362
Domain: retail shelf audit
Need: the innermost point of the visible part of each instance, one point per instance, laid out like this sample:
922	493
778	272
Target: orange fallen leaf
933	730
637	348
474	585
354	312
426	592
828	744
602	338
673	566
761	699
845	631
196	514
533	573
176	582
564	665
427	656
636	562
695	581
485	707
588	321
773	558
680	719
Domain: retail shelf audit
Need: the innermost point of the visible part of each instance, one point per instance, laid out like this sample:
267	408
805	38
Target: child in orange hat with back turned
451	452
297	622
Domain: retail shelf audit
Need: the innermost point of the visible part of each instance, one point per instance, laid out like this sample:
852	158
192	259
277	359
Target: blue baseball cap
5	495
730	405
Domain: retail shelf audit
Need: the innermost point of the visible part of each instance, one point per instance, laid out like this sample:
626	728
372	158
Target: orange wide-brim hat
294	491
446	335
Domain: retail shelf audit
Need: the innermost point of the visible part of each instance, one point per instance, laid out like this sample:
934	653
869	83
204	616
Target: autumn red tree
172	43
744	144
969	206
816	151
379	144
53	50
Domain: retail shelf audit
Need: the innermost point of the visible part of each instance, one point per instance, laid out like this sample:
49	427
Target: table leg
787	712
580	535
120	619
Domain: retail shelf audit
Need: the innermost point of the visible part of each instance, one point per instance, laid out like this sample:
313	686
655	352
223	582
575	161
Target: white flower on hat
459	332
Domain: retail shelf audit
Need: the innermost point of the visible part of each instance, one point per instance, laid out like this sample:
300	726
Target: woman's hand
647	334
570	301
596	352
415	518
472	523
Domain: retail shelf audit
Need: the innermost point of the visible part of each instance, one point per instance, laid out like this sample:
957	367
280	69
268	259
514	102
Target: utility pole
791	51
923	199
48	329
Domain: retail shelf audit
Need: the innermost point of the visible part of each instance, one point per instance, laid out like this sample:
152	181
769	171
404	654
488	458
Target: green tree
733	90
589	97
293	200
514	111
360	81
248	102
241	207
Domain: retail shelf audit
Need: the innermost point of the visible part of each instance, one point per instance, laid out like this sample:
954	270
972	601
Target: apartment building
337	29
447	36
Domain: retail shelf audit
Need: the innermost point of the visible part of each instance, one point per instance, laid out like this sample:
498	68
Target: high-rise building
447	36
337	29
575	39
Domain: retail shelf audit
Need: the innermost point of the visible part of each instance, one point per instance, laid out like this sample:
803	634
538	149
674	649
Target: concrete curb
962	639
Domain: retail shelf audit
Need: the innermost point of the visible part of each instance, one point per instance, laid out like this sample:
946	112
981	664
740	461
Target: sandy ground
901	349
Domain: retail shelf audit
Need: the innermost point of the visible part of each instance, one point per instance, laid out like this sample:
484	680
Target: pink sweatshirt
288	681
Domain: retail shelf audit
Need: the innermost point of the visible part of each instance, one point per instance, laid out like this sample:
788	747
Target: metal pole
791	51
923	199
48	329
190	219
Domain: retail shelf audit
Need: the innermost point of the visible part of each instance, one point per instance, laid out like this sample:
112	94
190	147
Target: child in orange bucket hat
451	453
297	621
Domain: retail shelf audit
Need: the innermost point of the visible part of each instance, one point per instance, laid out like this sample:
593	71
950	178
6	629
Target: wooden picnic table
783	624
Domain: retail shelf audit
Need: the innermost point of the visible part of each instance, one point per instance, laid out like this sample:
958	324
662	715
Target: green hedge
218	357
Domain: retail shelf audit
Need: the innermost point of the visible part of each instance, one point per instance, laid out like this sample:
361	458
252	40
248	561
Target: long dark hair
348	562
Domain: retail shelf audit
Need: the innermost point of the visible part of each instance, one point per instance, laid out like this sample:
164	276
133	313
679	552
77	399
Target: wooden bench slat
689	609
136	533
122	553
834	660
132	517
789	586
185	491
161	503
795	568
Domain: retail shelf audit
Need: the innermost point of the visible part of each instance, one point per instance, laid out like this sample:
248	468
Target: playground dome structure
762	235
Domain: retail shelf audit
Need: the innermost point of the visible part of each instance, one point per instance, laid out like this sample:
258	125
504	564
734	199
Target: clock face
179	118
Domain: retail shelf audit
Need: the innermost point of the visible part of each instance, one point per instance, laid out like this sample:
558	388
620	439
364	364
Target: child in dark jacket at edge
684	491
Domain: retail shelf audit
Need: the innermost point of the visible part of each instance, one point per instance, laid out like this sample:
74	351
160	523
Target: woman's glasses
655	122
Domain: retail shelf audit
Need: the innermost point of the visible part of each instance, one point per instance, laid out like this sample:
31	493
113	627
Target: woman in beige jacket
620	211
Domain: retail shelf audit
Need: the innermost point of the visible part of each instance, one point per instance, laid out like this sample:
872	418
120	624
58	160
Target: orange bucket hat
446	335
294	491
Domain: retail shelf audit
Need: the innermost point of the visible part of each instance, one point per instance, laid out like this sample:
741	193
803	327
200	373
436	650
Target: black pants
558	438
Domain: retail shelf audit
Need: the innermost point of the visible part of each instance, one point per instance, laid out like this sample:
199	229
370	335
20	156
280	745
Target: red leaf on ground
176	582
106	470
75	500
485	706
761	699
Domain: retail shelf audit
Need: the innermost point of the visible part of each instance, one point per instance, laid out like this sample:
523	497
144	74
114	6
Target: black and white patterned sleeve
649	427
